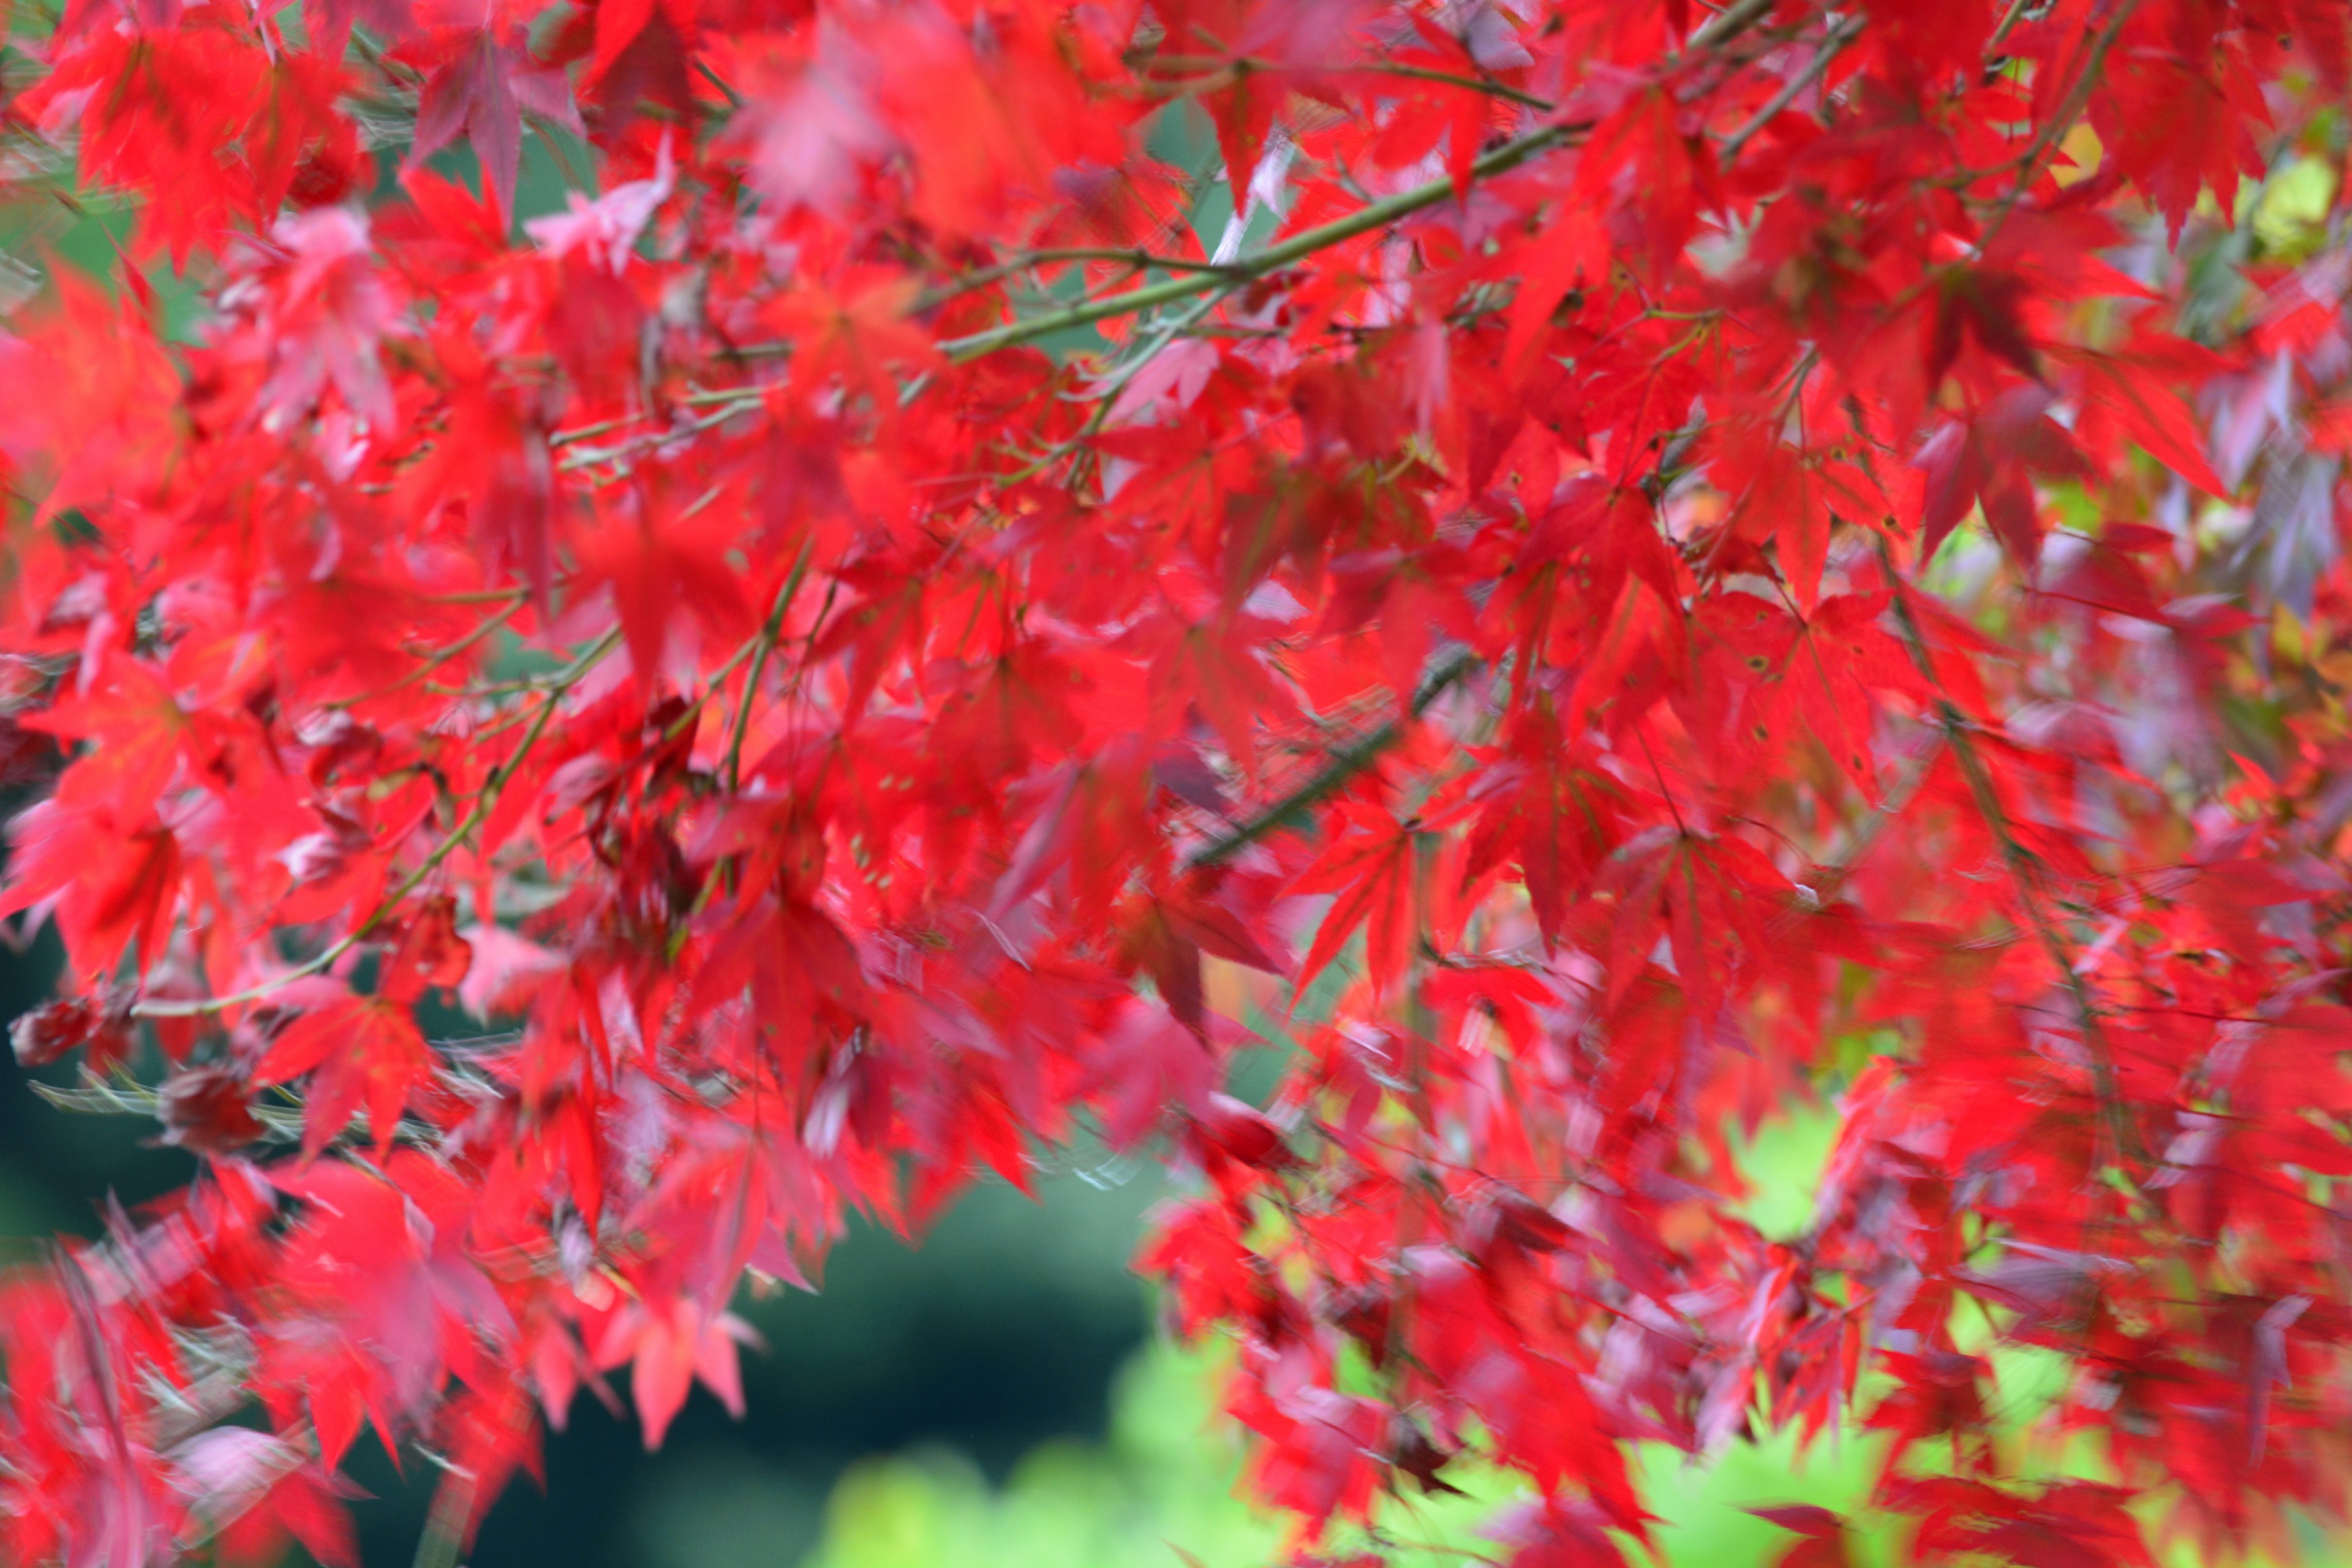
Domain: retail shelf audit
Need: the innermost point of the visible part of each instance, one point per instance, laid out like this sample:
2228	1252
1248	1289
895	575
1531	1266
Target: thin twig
1195	71
768	631
2058	124
1105	393
734	98
1729	24
2010	19
517	598
445	1527
1137	258
589	456
1838	37
1722	28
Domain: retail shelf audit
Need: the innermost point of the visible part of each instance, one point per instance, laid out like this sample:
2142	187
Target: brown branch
1831	46
1342	764
2025	869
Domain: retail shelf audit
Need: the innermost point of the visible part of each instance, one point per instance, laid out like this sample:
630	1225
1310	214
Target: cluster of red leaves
846	747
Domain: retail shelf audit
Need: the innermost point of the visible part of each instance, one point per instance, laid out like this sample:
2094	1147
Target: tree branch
1831	46
769	632
2025	867
1342	764
1364	220
1136	259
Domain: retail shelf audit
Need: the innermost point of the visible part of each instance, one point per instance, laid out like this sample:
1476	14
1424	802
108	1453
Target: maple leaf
271	1492
107	421
75	1023
670	1349
1371	868
497	461
2176	123
1822	1532
645	42
363	1053
431	953
112	879
479	88
1938	1396
808	136
157	126
1556	1535
1146	1065
140	733
859	333
2116	387
208	1108
1546	806
665	570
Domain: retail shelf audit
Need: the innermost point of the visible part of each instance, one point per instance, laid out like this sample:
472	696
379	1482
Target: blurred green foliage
1163	1490
1162	1481
1161	1487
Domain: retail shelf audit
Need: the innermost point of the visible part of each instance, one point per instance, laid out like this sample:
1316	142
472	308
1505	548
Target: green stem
434	660
769	633
1831	46
1139	259
1307	242
1203	67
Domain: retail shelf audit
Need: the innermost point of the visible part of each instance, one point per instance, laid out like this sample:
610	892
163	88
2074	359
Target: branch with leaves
1446	601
